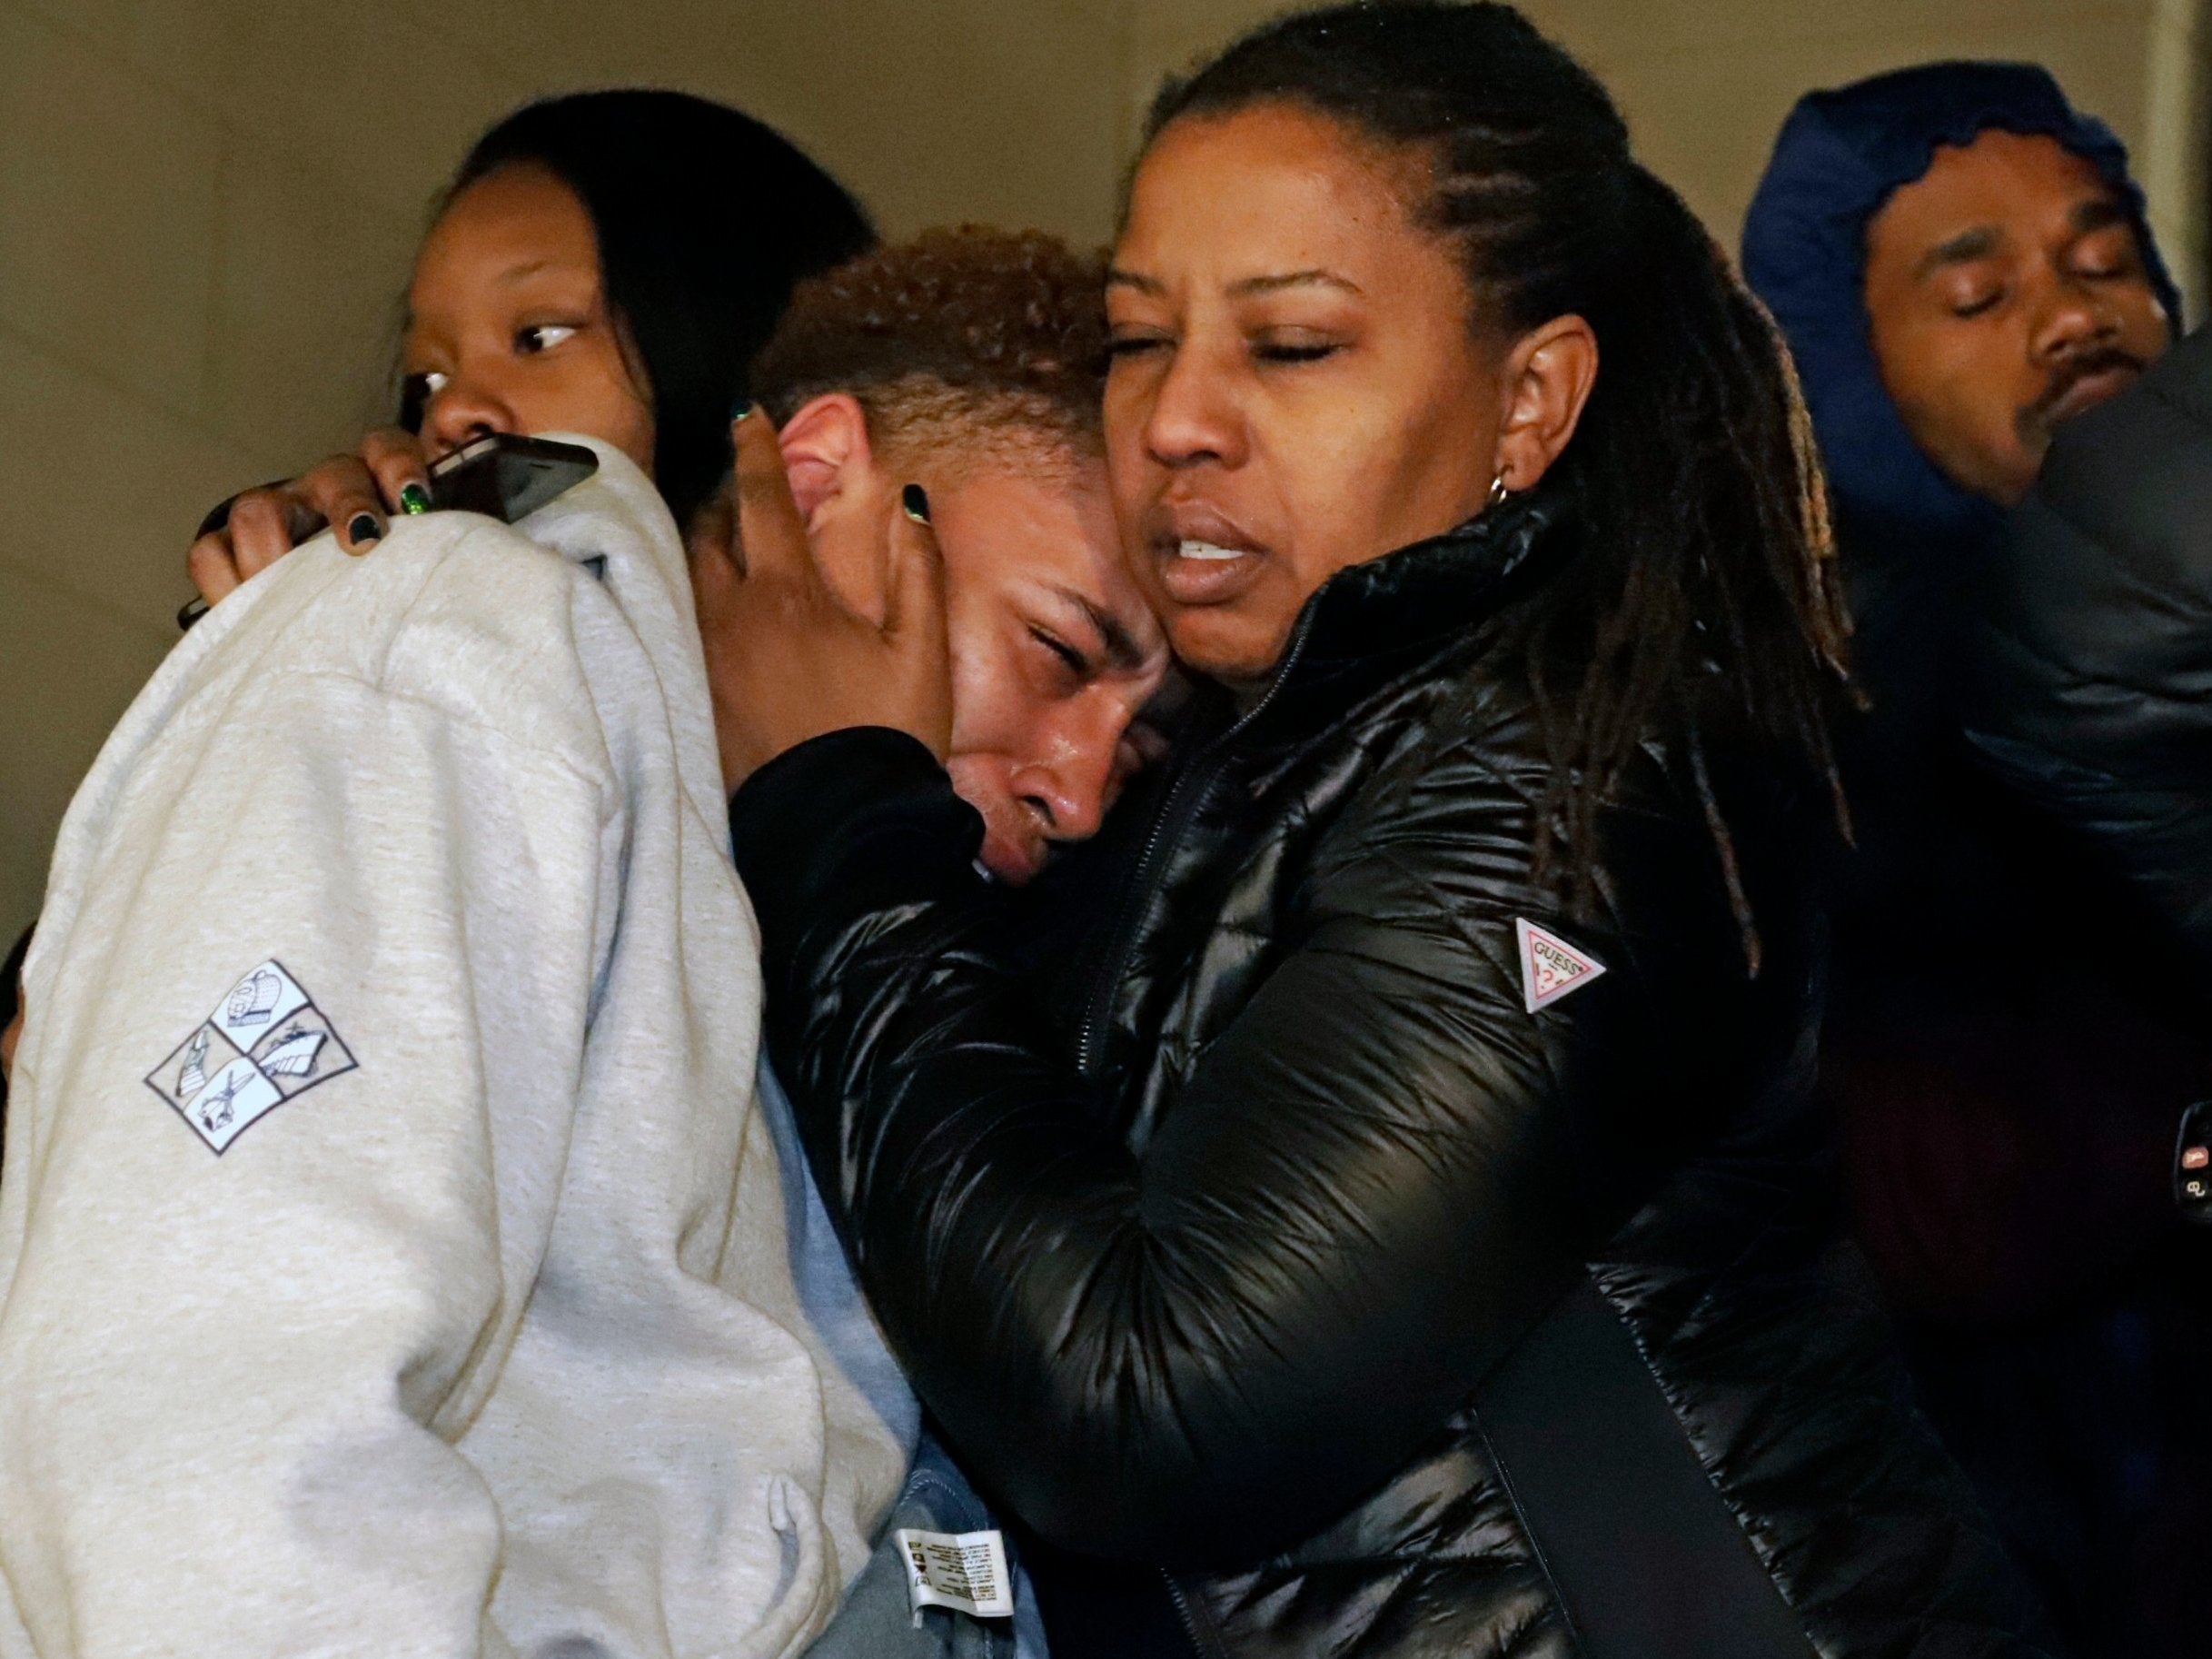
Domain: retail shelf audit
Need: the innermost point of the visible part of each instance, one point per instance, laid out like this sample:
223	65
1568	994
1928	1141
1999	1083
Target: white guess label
963	1571
1550	967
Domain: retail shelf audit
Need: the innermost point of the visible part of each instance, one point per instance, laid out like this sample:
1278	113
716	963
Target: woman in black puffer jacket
1397	1229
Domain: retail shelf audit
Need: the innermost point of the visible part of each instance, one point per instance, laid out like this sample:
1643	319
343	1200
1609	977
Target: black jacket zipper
1189	793
1200	1646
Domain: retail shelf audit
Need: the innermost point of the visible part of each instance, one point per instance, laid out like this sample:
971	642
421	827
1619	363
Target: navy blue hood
1840	155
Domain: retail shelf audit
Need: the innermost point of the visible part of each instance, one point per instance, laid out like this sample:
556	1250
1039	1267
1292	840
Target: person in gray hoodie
393	1240
440	1305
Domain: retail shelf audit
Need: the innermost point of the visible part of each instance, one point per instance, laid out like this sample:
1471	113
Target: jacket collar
1368	620
1425	593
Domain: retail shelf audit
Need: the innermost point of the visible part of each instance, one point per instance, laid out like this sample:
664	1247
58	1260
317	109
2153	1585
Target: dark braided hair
1702	594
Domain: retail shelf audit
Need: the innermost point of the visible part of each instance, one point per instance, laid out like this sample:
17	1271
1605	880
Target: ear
826	450
1544	384
838	489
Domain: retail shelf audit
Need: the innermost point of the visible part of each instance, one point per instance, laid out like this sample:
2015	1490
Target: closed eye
1295	353
1133	345
2107	270
1075	662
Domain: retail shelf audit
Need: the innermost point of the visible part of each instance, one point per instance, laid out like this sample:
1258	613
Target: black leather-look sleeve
847	822
2093	694
1359	1202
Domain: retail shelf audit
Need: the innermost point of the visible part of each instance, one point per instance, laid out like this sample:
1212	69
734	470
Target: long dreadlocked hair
1703	593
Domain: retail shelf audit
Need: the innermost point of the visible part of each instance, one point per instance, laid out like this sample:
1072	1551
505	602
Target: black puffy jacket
1289	1252
2093	698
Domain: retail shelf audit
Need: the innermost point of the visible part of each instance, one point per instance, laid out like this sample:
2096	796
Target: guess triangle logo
1550	967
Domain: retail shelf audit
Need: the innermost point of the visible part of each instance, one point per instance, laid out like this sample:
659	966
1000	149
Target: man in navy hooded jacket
1961	263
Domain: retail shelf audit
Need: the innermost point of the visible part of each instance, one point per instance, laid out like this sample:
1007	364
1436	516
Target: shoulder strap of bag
1647	1558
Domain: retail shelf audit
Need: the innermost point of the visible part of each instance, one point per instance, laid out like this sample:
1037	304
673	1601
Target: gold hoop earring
1498	491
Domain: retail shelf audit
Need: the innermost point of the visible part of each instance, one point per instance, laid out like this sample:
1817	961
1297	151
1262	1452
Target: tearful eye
542	337
1070	658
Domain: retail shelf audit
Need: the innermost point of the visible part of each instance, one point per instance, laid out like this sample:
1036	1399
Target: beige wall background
207	210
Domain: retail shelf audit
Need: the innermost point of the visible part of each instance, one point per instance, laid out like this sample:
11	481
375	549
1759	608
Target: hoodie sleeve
298	1102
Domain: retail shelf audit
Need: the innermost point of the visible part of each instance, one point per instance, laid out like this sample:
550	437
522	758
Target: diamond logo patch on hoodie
265	1042
1550	967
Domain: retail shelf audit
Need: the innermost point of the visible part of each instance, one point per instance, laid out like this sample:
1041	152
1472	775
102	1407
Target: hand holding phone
501	475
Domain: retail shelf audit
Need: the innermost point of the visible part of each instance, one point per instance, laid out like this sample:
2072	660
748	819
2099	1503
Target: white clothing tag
1550	967
265	1042
963	1571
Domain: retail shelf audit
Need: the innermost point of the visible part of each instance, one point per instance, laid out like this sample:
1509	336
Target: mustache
2099	360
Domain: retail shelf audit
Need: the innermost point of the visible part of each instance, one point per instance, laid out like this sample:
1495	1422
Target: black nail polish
915	500
741	409
364	530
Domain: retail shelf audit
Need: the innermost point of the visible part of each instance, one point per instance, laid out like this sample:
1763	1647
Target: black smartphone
506	477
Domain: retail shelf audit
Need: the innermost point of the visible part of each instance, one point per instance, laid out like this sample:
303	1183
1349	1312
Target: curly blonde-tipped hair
981	347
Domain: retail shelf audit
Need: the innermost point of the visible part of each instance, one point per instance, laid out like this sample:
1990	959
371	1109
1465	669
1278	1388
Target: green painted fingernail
915	500
414	498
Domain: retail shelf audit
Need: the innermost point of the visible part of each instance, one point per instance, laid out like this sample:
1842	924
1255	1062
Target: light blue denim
876	1621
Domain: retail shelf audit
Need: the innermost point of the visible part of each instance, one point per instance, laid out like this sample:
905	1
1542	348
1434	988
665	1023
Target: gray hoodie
392	1250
